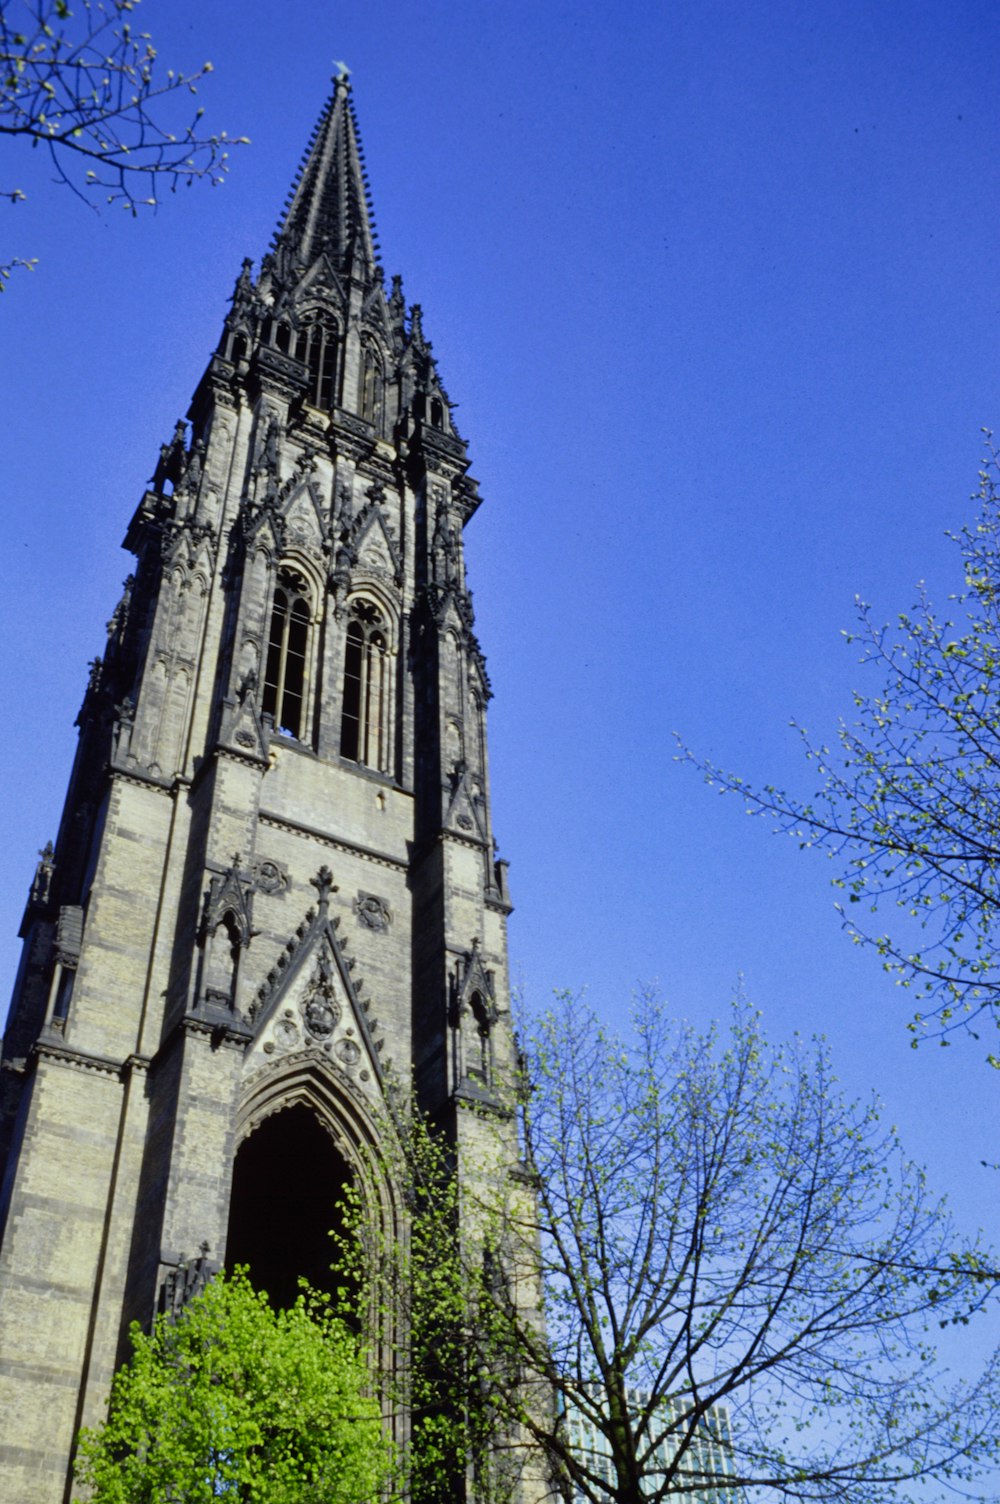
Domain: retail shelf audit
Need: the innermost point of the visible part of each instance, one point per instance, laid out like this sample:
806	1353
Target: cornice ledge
144	779
240	754
237	1033
482	1103
336	843
475	843
81	1060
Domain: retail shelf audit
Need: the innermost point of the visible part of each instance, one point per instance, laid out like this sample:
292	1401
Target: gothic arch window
284	1203
277	332
316	347
289	1179
286	666
235	346
371	384
479	1064
221	958
364	727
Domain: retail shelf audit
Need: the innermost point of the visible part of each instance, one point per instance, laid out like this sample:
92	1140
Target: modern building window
287	653
364	724
705	1466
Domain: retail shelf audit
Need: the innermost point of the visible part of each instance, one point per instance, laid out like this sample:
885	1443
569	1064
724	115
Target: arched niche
303	1137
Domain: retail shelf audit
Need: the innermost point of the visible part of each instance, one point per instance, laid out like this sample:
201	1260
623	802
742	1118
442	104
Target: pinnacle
329	209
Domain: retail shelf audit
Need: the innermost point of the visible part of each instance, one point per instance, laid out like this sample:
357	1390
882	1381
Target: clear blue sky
716	287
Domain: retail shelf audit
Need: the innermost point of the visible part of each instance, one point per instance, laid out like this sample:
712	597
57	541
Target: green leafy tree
704	1243
81	82
235	1400
909	800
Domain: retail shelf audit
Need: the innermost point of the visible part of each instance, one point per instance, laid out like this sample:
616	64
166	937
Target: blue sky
716	288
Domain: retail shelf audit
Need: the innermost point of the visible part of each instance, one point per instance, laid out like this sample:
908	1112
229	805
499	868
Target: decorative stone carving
473	1017
122	728
243	725
185	1280
348	1053
373	912
270	877
41	887
321	1010
313	1004
286	1032
230	894
320	1015
69	935
225	932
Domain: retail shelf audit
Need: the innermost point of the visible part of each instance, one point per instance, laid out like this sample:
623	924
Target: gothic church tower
274	882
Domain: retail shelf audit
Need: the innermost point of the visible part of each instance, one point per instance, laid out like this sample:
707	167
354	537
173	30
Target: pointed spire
329	209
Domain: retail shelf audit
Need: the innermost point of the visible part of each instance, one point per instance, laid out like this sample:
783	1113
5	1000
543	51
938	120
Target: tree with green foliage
233	1399
703	1241
81	82
909	799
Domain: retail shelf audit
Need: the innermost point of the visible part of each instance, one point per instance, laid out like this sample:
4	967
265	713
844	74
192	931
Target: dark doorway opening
287	1185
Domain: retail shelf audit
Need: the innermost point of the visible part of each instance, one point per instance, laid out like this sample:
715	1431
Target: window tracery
285	671
364	734
316	347
479	1067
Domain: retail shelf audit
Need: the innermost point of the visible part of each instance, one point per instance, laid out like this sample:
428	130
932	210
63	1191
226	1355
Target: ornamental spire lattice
329	209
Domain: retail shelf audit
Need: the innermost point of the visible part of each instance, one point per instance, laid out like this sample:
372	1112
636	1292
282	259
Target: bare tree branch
83	84
909	801
728	1277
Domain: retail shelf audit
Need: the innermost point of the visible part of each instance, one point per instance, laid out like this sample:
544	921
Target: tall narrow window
371	385
317	348
364	722
287	648
479	1066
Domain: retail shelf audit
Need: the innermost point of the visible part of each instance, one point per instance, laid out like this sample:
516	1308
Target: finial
324	884
343	73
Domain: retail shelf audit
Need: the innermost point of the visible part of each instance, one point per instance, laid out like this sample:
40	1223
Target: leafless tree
82	83
728	1279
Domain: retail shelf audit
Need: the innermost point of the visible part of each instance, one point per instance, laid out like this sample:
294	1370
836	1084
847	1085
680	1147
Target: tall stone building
274	882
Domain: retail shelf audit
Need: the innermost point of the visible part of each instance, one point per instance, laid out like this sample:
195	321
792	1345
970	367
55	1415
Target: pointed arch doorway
304	1134
288	1180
